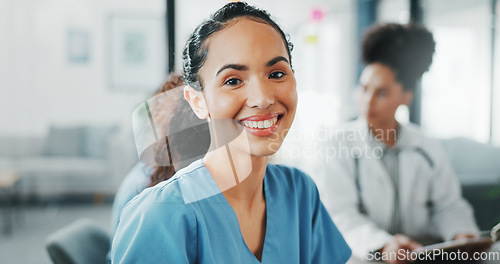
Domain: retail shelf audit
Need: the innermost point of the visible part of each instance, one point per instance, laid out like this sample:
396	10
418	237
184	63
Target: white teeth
261	124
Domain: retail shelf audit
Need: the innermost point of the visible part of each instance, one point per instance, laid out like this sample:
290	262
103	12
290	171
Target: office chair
80	242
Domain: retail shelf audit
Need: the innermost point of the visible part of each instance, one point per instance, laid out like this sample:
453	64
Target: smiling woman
232	206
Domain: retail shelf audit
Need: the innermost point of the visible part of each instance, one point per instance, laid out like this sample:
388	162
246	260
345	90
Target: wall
39	86
456	90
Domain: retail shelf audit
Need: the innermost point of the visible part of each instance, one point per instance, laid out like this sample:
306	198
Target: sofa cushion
94	141
64	141
19	146
67	166
474	162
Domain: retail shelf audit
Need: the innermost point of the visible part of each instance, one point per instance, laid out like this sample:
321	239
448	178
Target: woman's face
381	95
249	85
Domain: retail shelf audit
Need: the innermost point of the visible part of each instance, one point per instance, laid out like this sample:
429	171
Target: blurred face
249	86
381	95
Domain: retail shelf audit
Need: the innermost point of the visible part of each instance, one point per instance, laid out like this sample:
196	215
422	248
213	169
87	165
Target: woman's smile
262	125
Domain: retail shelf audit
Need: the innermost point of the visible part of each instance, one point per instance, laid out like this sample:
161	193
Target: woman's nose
260	95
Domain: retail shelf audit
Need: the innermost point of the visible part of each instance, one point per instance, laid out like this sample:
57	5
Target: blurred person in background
389	184
147	173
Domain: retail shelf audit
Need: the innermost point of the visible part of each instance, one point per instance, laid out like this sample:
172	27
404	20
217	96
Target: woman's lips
262	125
261	117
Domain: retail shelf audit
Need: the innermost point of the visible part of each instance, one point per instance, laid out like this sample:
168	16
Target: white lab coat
430	196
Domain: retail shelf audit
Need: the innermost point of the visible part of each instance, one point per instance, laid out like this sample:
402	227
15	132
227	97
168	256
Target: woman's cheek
226	106
291	95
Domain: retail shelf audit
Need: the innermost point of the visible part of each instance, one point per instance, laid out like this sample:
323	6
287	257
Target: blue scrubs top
188	220
134	183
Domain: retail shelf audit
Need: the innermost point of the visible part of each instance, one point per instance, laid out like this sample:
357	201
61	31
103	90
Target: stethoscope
357	178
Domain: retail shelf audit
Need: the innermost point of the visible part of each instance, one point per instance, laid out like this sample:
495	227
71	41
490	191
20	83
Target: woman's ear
197	102
407	97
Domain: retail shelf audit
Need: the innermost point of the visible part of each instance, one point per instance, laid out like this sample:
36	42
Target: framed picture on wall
78	46
136	52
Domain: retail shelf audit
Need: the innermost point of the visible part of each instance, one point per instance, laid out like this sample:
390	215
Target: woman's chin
264	149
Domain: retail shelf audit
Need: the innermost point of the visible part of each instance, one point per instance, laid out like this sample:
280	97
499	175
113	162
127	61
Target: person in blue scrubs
134	183
146	172
231	206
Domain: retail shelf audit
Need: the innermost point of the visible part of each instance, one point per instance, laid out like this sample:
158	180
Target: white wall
395	11
38	86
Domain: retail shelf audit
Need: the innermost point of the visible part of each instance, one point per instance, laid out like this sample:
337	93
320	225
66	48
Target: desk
9	185
494	257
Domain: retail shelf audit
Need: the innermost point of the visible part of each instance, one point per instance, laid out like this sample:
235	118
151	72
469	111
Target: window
456	90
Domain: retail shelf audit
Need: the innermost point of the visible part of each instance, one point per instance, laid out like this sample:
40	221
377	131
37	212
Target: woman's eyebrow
276	60
238	67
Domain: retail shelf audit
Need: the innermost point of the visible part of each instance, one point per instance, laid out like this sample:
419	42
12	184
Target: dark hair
406	49
195	52
175	145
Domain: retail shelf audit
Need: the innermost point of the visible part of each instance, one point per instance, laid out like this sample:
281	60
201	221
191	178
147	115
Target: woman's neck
239	175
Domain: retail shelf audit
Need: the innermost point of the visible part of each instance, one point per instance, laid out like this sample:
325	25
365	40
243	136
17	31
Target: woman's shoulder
157	221
291	173
290	178
168	192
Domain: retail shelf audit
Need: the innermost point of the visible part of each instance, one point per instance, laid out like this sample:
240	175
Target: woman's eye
276	75
233	81
382	94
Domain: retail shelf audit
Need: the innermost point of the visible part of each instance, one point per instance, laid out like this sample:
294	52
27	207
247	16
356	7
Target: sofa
69	160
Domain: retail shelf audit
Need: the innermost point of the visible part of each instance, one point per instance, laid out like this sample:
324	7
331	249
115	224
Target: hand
394	247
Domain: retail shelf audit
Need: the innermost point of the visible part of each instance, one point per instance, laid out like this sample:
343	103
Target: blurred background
73	71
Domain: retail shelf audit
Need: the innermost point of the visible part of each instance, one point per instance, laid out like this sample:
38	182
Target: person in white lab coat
388	185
